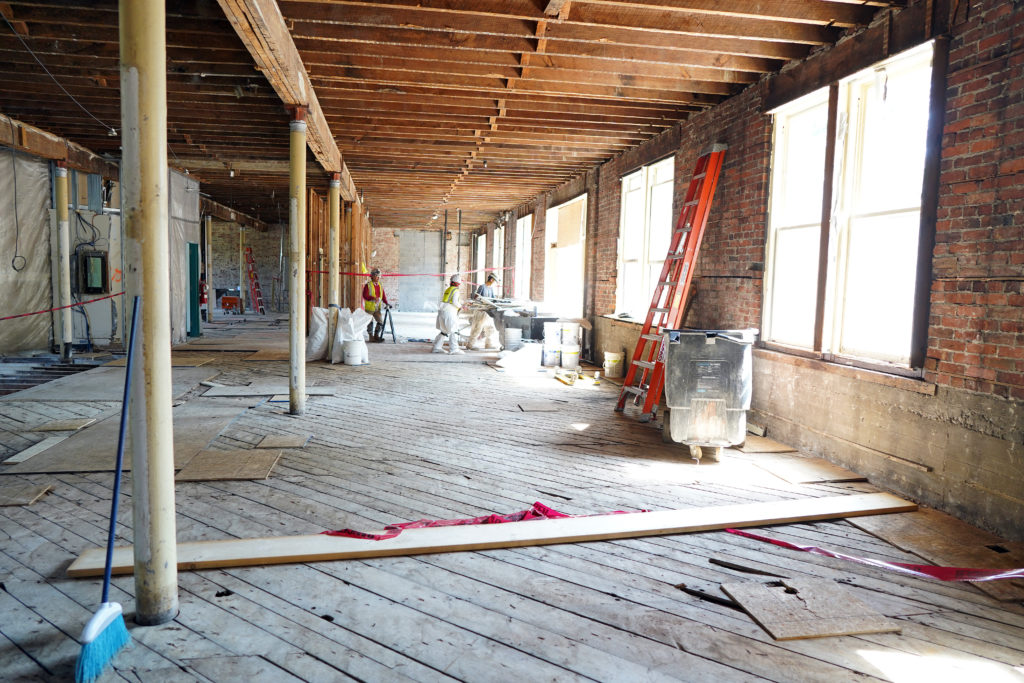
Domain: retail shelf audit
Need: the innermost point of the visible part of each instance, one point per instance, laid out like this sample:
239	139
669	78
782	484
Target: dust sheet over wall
24	252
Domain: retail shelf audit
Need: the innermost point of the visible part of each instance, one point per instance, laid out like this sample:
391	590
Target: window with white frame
645	231
874	220
481	260
524	249
499	261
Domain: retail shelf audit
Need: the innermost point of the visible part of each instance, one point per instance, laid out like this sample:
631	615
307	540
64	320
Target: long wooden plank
317	547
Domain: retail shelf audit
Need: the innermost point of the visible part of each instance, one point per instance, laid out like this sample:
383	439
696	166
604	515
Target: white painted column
334	260
211	295
145	188
297	265
64	260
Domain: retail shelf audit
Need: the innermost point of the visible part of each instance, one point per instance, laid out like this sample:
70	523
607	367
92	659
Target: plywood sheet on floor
65	425
105	384
33	450
229	465
267	390
178	360
270	354
284	441
801	470
946	541
94	449
760	444
21	494
789	609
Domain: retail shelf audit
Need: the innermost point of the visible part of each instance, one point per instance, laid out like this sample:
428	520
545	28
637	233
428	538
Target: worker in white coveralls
448	318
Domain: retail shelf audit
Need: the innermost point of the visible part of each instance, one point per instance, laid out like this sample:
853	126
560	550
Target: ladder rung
634	390
667	283
659	310
651	337
675	257
644	364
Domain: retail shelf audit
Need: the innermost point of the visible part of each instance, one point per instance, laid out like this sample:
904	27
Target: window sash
874	236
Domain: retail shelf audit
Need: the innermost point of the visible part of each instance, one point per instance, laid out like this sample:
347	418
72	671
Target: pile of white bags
330	330
348	345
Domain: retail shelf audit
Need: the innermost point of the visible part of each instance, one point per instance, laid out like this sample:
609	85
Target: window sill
806	359
627	321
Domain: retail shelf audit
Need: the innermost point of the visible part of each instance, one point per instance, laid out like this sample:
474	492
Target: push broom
106	633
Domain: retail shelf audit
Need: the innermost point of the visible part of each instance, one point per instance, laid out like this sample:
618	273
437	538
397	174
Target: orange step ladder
255	292
645	377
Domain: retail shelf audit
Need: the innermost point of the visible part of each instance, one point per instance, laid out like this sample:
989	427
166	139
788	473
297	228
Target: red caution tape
61	308
464	272
926	571
537	511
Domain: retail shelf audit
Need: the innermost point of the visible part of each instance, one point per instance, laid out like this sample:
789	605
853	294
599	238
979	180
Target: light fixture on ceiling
485	163
231	173
435	216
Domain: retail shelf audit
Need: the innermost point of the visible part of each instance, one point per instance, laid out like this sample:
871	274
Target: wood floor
406	440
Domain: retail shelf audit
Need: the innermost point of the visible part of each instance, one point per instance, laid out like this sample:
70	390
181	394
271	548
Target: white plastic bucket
571	334
570	356
356	352
513	338
552	333
613	363
551	356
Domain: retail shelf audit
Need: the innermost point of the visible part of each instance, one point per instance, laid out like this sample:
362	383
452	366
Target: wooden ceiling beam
796	11
611	55
209	207
261	28
579	40
618	26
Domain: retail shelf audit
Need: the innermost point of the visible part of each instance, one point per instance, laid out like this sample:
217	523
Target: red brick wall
976	333
728	272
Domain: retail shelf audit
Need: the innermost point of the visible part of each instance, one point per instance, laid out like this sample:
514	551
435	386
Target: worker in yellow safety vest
374	299
448	318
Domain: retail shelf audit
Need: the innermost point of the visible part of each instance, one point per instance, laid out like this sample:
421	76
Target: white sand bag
316	342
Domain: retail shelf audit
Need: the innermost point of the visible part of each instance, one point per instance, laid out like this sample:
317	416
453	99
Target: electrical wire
110	129
16	265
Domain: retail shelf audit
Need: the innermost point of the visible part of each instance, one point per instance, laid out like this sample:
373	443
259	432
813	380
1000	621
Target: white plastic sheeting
27	289
183	227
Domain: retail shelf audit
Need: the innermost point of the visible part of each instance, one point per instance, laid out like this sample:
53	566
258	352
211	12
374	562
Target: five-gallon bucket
356	352
613	363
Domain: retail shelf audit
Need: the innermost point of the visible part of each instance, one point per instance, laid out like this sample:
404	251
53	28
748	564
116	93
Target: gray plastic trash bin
707	387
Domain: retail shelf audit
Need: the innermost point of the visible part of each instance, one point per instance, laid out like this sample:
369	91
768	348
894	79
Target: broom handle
120	450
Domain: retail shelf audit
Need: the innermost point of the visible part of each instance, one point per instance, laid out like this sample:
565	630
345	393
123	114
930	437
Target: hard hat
375	271
492	276
456	278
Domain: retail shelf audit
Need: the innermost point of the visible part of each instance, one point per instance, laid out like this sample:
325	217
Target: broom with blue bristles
106	633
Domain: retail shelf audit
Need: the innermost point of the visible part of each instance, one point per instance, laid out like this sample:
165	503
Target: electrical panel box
92	272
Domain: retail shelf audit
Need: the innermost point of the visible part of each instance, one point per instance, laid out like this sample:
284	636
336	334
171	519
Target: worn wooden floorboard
403	441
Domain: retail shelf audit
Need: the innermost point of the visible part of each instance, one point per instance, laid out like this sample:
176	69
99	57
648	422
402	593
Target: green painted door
193	289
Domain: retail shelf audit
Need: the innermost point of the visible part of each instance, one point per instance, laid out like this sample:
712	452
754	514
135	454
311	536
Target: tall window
524	248
645	231
499	260
566	234
481	259
874	220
